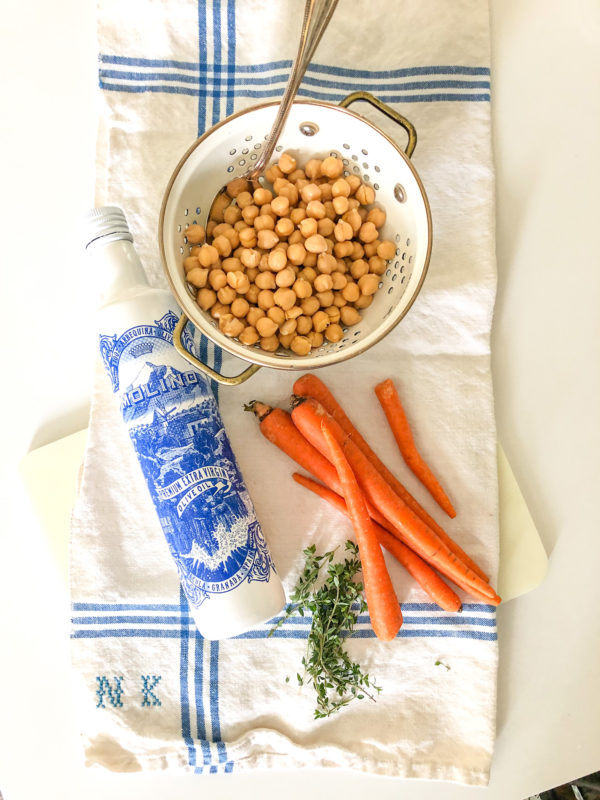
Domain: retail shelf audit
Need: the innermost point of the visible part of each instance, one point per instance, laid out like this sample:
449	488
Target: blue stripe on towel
230	55
184	633
201	66
216	12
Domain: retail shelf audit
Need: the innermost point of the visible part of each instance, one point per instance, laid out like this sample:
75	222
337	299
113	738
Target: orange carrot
311	386
384	608
394	411
307	416
426	577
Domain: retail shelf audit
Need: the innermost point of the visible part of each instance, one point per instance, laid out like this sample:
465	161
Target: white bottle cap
107	223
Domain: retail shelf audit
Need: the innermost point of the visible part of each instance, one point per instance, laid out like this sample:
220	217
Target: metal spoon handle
317	14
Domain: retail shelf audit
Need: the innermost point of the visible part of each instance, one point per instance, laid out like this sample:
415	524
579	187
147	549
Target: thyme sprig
335	607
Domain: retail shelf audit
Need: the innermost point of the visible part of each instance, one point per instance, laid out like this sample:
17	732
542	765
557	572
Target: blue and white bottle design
199	493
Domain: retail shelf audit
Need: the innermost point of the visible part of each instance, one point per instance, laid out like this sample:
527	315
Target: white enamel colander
313	130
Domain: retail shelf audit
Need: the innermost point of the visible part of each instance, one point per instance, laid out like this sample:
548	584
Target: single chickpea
353	182
264	222
249	335
223	245
240	307
219	310
310	260
300	345
267	239
370	248
333	312
354	218
313	169
296	253
343	231
231	264
263	264
323	283
364	301
233	236
285	340
272	173
286	277
254	315
232	214
190	263
302	288
296	238
240	225
293	313
286	163
217	279
252	294
368	232
334	332
325	226
277	260
326	192
197	277
316	244
208	255
365	195
195	234
303	325
210	226
244	199
297	175
308	227
289	326
315	339
342	249
285	298
249	257
338	299
377	216
297	215
353	204
377	265
206	298
269	343
236	186
315	209
226	295
238	280
320	321
326	263
248	237
262	196
332	167
351	292
340	204
340	188
310	306
277	315
284	227
338	280
386	250
310	192
265	280
359	268
363	213
325	298
368	284
230	325
349	315
308	274
358	251
266	326
250	213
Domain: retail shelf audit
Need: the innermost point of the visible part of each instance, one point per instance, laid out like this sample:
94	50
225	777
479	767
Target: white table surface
546	105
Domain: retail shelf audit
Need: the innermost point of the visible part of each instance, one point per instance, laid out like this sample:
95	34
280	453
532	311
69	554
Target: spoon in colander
317	14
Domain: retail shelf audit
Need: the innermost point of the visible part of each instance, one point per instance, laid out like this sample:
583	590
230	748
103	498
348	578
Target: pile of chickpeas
294	266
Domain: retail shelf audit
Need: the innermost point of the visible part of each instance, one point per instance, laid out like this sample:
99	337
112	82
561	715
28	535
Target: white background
546	106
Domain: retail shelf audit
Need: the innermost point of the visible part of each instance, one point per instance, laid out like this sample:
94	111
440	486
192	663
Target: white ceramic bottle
174	424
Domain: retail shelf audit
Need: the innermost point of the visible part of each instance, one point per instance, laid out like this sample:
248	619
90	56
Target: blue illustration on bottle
190	469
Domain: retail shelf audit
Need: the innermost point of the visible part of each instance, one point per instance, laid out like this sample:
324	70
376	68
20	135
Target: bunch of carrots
319	437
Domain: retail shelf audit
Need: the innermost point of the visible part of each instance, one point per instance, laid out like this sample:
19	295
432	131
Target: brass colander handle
234	380
390	112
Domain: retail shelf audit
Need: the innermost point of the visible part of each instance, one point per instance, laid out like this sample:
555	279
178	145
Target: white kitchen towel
152	693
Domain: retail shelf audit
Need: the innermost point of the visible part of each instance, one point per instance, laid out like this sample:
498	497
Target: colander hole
403	279
186	212
181	250
408	242
390	290
403	256
402	268
357	333
333	153
179	229
354	158
364	152
279	148
253	157
380	284
376	169
249	137
366	178
397	251
245	151
394	276
388	272
399	193
345	162
241	162
397	237
365	165
229	169
410	259
376	187
232	152
346	172
346	146
257	146
266	137
356	169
